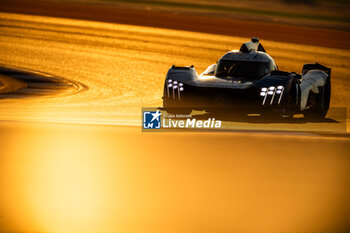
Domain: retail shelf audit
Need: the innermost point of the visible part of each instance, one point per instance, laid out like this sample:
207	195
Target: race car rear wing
316	66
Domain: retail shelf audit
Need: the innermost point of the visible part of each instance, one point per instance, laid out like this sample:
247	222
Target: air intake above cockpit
252	46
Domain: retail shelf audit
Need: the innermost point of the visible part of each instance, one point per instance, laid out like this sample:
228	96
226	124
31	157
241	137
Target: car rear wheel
322	100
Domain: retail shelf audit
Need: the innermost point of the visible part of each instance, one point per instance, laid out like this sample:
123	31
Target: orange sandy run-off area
77	161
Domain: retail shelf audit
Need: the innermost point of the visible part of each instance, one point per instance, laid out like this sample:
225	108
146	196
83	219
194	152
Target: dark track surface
23	84
217	25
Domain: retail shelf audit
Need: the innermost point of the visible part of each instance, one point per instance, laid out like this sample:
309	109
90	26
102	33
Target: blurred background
318	13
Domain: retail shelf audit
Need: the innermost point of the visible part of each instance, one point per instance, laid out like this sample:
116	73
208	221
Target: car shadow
263	119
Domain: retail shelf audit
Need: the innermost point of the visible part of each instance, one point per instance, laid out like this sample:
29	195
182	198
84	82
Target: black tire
173	109
319	111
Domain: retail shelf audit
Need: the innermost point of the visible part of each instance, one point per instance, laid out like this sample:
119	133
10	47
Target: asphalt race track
78	162
124	68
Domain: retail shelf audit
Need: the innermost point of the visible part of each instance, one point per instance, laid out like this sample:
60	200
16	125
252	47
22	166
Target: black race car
248	81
